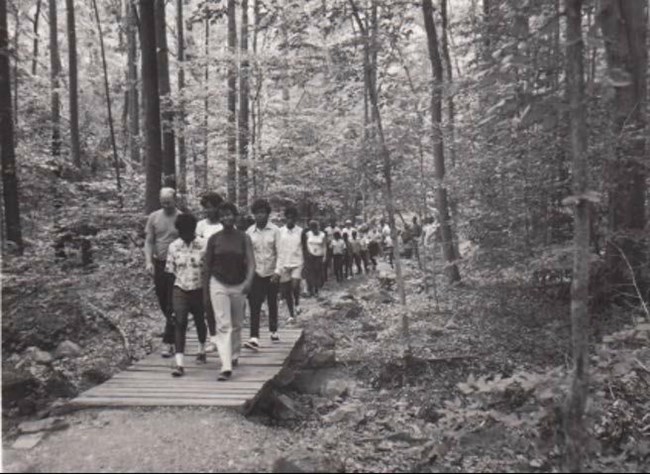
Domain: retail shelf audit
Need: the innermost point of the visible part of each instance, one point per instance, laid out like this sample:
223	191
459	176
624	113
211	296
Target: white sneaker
275	337
298	310
291	321
210	347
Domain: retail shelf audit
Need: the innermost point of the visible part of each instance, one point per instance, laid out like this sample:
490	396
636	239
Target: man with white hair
161	231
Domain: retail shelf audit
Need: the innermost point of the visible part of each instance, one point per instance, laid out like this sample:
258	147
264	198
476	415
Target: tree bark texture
577	399
232	102
75	147
151	105
244	131
55	70
182	151
116	162
37	17
206	112
7	149
625	31
167	118
132	78
438	145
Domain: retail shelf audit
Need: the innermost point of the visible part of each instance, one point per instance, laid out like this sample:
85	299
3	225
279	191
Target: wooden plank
148	382
108	392
158	402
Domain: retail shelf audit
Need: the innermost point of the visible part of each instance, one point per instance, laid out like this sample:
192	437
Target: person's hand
246	288
149	267
275	278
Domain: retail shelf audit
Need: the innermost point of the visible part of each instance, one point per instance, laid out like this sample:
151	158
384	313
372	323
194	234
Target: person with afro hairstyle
185	262
265	237
290	262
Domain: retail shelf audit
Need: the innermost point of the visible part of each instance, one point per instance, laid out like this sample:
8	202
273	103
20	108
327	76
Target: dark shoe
225	375
235	362
201	358
179	371
168	351
275	337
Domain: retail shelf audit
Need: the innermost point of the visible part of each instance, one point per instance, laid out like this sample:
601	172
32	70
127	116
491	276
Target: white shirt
205	229
348	231
316	244
265	247
289	248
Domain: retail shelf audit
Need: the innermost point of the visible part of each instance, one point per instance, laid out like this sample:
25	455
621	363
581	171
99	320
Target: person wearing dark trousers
160	233
290	262
363	243
185	262
355	247
264	236
347	257
315	250
338	254
205	229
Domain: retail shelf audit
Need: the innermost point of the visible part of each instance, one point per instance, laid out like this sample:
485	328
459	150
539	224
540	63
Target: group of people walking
213	267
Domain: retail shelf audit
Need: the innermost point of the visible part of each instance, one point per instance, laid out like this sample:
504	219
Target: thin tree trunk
388	179
167	118
132	73
151	105
577	399
451	107
74	87
438	146
55	70
37	17
116	162
243	108
253	145
206	107
232	102
623	23
7	150
16	60
182	152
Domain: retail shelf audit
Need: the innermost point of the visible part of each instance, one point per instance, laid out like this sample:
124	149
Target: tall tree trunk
438	145
153	150
206	108
388	177
182	152
74	87
232	102
624	29
55	70
243	108
37	17
7	150
132	78
258	79
167	118
116	162
17	15
577	399
451	107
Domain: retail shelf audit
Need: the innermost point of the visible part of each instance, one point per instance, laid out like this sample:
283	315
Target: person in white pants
228	272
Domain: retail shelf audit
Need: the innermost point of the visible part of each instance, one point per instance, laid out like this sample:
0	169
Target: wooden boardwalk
149	382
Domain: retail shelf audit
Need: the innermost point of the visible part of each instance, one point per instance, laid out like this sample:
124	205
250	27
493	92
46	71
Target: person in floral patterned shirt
185	261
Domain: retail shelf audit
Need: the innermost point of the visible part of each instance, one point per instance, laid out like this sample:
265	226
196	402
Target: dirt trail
154	440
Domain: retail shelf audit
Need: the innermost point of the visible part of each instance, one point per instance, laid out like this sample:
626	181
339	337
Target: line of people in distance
211	268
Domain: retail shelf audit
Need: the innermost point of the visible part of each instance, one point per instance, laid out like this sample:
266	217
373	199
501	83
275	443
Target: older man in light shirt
265	237
290	262
161	232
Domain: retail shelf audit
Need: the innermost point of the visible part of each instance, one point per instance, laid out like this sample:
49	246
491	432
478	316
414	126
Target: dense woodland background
521	125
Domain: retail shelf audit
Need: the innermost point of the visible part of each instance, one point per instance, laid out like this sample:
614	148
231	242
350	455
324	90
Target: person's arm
278	254
170	265
207	266
250	265
149	243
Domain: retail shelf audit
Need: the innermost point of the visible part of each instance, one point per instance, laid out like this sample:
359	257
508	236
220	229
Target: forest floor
480	392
